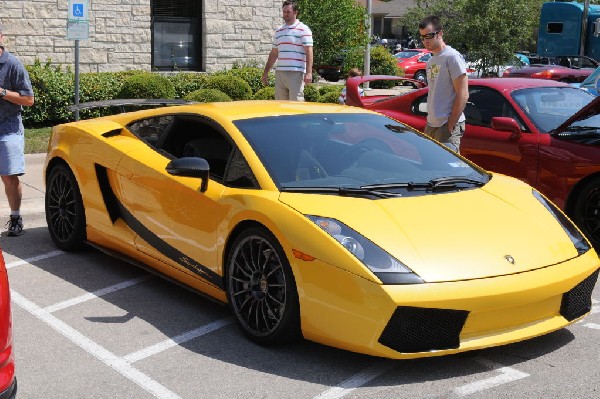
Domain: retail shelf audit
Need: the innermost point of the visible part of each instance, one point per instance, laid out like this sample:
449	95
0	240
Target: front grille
578	301
412	329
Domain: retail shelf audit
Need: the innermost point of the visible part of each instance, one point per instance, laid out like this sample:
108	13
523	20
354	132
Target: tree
337	25
488	31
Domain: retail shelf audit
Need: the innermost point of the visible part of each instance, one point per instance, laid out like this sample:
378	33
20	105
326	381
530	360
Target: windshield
350	151
550	107
406	54
590	81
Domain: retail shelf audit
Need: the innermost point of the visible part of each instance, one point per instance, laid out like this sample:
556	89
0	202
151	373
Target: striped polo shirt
290	41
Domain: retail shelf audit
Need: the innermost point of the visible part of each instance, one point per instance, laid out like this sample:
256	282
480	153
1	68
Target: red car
543	132
573	69
413	63
8	381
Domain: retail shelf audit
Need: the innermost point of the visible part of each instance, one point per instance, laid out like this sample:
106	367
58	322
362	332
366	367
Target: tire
421	76
261	289
65	214
586	213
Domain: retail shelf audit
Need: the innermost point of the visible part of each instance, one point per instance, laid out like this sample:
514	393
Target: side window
196	136
238	173
425	58
419	106
484	104
152	129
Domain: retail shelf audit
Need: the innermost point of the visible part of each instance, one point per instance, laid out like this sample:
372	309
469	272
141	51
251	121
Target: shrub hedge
207	96
54	88
147	85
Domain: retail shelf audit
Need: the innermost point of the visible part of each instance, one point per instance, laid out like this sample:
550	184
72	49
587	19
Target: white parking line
592	326
116	363
356	381
92	295
33	259
178	339
508	374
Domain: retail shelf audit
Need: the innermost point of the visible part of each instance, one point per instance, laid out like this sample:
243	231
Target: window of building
176	35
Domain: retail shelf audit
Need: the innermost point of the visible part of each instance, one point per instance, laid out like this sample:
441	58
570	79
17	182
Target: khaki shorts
444	136
289	85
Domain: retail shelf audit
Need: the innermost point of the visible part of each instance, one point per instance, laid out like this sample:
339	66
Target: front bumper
408	321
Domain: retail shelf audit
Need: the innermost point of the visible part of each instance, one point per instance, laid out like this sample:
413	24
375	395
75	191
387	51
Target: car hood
464	235
593	108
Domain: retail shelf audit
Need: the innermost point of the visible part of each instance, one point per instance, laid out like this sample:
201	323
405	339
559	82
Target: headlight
387	268
578	240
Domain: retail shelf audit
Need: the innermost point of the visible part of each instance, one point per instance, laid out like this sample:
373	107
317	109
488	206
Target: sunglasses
429	35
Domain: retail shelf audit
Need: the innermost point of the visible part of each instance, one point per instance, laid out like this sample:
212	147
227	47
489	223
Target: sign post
78	28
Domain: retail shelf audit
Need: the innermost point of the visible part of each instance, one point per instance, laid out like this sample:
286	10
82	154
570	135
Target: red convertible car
569	69
543	132
413	63
8	381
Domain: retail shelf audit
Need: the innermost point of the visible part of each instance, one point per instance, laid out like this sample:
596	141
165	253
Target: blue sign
78	10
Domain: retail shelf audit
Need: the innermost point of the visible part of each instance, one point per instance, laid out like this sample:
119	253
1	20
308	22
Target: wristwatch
2	93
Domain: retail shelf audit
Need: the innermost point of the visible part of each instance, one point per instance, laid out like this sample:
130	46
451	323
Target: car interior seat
215	150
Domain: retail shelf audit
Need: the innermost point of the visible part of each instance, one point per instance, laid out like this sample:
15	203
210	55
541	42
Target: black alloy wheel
65	214
261	289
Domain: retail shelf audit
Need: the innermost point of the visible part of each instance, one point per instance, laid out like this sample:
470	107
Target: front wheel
261	289
65	214
586	213
421	76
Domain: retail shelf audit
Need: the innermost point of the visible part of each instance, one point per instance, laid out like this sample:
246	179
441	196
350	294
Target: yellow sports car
327	222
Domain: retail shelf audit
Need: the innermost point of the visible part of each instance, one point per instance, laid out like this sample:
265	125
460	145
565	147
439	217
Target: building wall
120	36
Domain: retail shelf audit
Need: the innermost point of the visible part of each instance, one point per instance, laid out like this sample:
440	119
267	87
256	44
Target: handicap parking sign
78	10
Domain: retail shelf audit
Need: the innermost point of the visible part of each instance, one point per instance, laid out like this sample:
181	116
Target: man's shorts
12	154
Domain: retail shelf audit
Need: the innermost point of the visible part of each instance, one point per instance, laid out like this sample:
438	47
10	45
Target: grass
36	140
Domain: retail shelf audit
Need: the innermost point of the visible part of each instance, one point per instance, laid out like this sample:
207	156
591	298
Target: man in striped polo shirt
293	51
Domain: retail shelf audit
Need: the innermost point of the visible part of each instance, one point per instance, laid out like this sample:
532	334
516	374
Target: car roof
238	110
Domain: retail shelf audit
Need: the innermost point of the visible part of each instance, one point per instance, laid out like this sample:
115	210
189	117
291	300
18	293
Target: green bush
266	93
97	87
330	97
147	85
311	93
54	92
252	76
326	89
207	96
383	63
187	82
235	87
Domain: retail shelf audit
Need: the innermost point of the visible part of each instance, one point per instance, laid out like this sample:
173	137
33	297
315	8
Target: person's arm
270	62
16	98
309	64
461	87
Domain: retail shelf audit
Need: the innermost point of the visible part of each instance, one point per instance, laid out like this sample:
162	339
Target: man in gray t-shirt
448	86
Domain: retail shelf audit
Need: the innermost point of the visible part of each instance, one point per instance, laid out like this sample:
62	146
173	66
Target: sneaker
15	226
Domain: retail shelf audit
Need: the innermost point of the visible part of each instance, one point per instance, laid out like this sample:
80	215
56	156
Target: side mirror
423	107
505	124
190	167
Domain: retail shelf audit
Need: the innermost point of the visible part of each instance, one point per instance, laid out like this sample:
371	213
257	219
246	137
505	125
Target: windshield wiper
453	181
582	128
341	191
441	182
398	129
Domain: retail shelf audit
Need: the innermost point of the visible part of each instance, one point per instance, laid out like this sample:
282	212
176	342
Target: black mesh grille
413	329
578	301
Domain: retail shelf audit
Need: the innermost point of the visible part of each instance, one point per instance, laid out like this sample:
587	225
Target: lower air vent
578	301
412	329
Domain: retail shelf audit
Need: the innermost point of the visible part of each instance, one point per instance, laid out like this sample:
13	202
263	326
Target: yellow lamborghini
327	222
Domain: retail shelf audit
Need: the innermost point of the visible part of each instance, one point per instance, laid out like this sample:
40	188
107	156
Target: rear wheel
586	213
65	214
261	289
